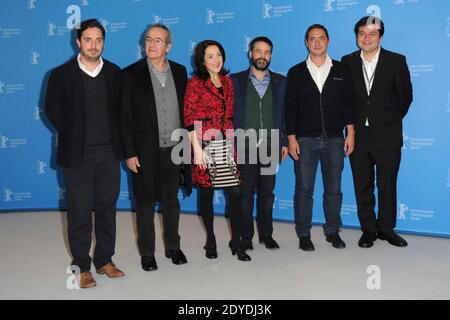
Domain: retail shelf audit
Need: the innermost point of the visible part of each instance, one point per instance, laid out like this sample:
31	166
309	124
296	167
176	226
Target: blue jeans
330	153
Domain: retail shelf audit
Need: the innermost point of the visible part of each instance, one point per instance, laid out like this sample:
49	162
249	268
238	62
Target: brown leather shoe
86	280
110	270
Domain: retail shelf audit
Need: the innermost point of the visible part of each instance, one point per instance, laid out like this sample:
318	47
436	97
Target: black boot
211	250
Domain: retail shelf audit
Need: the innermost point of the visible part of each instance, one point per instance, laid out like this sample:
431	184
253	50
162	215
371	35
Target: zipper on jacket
260	114
260	138
324	134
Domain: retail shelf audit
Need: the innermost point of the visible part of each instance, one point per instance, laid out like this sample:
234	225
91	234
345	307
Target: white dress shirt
319	74
369	72
369	67
92	73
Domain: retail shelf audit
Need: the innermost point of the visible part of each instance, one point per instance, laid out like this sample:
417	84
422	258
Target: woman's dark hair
368	20
199	59
91	23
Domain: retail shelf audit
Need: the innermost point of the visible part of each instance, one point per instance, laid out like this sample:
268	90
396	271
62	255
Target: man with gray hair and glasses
151	108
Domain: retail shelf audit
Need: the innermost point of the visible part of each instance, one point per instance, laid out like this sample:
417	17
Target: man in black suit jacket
81	103
259	105
382	94
151	108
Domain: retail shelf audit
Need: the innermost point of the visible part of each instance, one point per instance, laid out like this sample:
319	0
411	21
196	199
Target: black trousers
253	181
370	164
206	211
170	180
94	184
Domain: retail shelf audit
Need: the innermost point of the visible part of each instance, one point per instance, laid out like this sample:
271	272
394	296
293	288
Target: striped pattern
221	165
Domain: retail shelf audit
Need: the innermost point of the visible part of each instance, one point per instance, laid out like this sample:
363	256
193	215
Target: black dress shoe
269	243
149	263
366	240
210	251
306	244
336	241
393	239
245	244
176	255
241	254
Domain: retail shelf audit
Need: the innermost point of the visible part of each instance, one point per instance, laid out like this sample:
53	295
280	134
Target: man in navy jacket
318	108
259	106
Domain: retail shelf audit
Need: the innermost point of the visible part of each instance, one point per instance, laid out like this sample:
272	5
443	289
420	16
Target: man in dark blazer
259	104
151	108
82	104
382	94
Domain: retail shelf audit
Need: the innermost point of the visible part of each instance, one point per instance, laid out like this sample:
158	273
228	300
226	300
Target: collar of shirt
160	75
328	63
92	73
153	68
260	85
319	74
266	77
371	65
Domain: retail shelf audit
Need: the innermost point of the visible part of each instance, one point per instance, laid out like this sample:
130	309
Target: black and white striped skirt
221	165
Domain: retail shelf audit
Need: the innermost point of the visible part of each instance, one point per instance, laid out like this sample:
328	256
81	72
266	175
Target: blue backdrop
36	36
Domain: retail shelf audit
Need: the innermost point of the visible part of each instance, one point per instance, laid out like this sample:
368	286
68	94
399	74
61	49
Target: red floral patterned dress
204	103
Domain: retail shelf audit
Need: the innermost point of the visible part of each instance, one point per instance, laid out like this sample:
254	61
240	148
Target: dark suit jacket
139	126
278	83
65	108
389	99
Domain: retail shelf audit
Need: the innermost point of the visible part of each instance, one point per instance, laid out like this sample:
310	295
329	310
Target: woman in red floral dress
208	106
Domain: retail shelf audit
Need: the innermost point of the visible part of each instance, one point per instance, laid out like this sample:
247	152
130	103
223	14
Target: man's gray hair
161	26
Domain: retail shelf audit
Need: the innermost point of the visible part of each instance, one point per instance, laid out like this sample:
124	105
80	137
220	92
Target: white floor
34	258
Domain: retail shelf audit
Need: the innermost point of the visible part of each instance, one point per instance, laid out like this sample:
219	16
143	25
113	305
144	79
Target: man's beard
92	55
261	64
